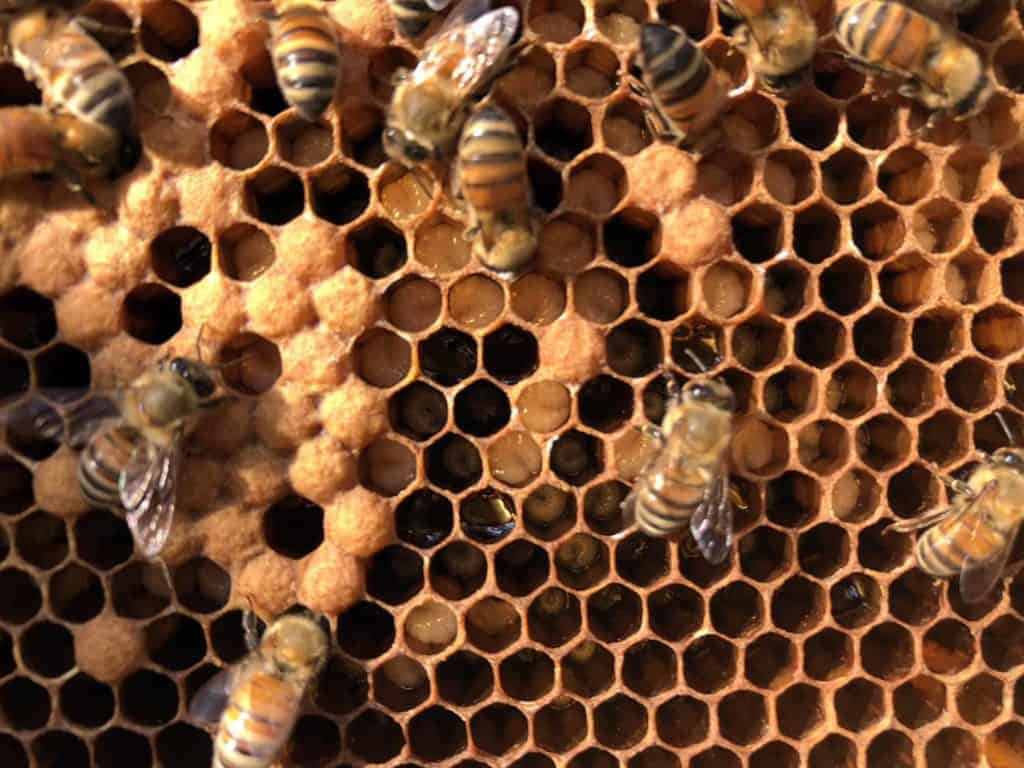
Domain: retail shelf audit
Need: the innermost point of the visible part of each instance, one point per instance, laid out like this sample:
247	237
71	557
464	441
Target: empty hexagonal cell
577	457
942	438
244	252
169	31
859	704
458	569
887	651
293	526
102	539
819	339
1011	272
994	225
527	674
625	128
139	591
314	739
180	256
27	319
797	605
823	446
938	226
641	559
800	710
394	574
481	409
613	613
968	278
785	288
911	388
562	129
967	171
757	232
919	701
770	661
788	176
250	363
605	403
1001	645
765	553
914	598
915	488
952	747
148	698
736	610
510	354
997	331
374	737
556	21
464	679
548	512
418	411
709	664
238	140
663	292
632	237
812	121
878	337
498	728
620	722
682	721
649	667
742	717
581	561
675	612
87	702
560	725
1005	745
339	194
758	343
588	669
17	378
369	630
151	313
845	286
823	549
47	649
175	642
401	683
448	356
980	699
538	299
521	567
202	585
937	335
995	431
851	390
41	539
846	177
828	655
376	248
24	704
816	233
274	195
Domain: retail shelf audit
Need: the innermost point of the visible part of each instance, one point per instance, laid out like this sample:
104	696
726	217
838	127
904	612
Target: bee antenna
1005	426
693	356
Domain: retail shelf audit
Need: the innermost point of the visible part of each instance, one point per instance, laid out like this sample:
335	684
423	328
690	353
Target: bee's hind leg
251	625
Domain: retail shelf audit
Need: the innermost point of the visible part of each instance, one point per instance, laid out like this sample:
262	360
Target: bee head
197	375
786	83
1010	457
710	391
404	149
296	644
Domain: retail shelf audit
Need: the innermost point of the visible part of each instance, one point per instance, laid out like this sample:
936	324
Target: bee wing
483	43
926	520
86	418
977	577
711	523
212	699
148	485
438	5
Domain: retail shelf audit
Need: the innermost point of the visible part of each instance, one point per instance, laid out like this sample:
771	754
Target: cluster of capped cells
435	458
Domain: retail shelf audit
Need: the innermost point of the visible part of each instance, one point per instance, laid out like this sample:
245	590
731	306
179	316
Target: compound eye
416	152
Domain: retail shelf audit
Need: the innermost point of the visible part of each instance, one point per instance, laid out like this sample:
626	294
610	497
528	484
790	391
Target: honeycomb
435	458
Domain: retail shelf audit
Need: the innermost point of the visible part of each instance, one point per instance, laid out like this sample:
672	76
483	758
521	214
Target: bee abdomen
411	16
27	144
664	508
306	60
886	34
677	72
89	83
942	552
256	724
102	461
492	162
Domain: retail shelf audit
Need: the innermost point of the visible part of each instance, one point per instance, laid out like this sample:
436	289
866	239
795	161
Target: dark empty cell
790	393
859	704
527	675
553	617
757	232
881	551
905	176
293	526
75	593
16	379
914	597
682	721
797	605
980	700
994	432
576	457
457	570
634	348
510	354
942	438
258	71
521	567
632	237
24	705
227	637
487	516
878	337
605	403
588	669
770	661
641	559
175	642
1009	66
813	122
151	313
675	612
274	196
948	647
562	129
758	343
845	286
823	549
424	518
548	512
883	442
183	746
819	339
366	630
453	463
181	256
498	729
342	687
662	294
377	249
919	701
887	651
20	598
339	194
742	717
63	373
41	539
827	655
481	409
448	356
169	31
696	339
815	233
86	702
581	561
878	230
890	749
937	335
613	613
602	506
1002	643
47	649
1011	272
736	610
649	667
709	664
620	722
202	585
315	740
846	177
27	319
15	88
912	490
59	749
994	228
560	726
545	183
464	679
118	747
436	733
148	698
103	539
139	590
871	122
394	575
910	388
952	748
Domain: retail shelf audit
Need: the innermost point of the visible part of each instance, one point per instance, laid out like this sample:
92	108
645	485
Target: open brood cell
436	458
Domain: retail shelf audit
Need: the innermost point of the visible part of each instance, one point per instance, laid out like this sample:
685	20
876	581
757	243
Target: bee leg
672	387
250	625
959	487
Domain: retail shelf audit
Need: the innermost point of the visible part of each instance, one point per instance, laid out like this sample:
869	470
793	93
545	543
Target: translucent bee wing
212	699
978	577
926	520
481	44
86	418
711	523
148	488
438	5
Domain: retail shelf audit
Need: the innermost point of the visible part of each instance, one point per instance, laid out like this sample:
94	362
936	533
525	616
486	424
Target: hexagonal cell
376	248
997	331
47	649
24	704
102	539
181	256
238	140
464	679
538	299
202	585
823	446
139	591
175	642
369	630
120	744
339	194
314	740
60	747
548	512
788	176
758	343
274	195
448	356
562	129
942	438
757	232
790	393
148	698
786	288
938	226
250	363
824	549
997	430
374	737
510	354
662	292
800	711
797	605
303	143
878	230
41	539
911	388
591	70
1001	643
418	411
554	617
498	728
770	661
560	725
602	507
819	340
577	457
919	701
151	313
742	717
17	379
556	21
514	459
588	669
995	227
980	699
812	121
642	560
765	553
937	335
792	499
169	31
481	409
855	600
293	526
846	177
828	655
859	704
709	664
458	569
682	721
619	722
440	246
33	430
394	575
600	295
620	22
493	624
521	567
845	286
531	79
625	128
914	598
751	123
404	193
915	488
878	337
851	390
527	674
581	561
953	747
613	613
887	651
675	612
968	279
436	733
632	237
244	252
736	610
906	282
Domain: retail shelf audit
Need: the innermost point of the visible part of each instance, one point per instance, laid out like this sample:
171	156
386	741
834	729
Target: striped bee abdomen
305	54
103	459
664	504
884	34
942	550
257	722
492	162
411	16
679	75
26	141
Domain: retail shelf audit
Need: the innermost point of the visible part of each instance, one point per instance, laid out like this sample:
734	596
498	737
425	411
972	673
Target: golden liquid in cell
476	301
430	627
442	247
538	299
565	247
406	196
544	406
600	295
414	305
514	459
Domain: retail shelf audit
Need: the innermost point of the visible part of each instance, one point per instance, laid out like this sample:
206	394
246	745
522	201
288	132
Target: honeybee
33	141
687	92
73	71
132	447
256	703
779	36
973	537
305	53
492	175
940	70
688	479
430	103
413	16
